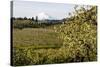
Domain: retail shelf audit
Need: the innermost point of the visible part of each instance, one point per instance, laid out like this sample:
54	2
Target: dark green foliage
25	18
36	19
32	18
21	23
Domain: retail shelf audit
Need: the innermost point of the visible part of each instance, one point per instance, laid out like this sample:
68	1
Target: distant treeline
25	18
25	22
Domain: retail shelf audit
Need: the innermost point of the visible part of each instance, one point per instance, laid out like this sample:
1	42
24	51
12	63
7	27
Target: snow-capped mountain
44	16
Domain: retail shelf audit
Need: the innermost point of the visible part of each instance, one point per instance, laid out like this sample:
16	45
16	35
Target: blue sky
31	8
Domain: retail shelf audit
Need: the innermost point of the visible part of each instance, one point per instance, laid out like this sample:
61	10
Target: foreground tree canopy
79	34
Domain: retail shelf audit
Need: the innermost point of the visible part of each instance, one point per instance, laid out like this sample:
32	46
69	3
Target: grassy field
28	43
36	38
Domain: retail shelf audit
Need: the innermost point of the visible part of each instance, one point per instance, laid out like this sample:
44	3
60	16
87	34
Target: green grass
36	38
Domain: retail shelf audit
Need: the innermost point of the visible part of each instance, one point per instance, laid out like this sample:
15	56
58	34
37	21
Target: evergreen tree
25	18
32	18
36	19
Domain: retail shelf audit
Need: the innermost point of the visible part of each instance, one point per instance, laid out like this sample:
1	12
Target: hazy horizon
30	9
